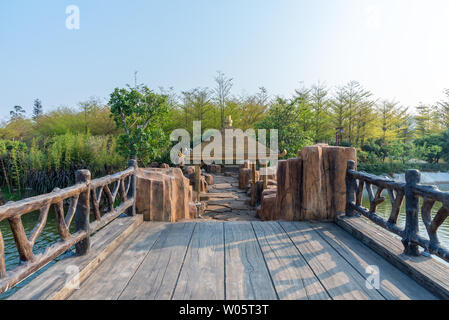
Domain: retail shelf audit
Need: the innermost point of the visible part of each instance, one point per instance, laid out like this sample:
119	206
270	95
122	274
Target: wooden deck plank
202	274
156	277
247	277
339	278
394	284
111	278
427	271
291	275
53	282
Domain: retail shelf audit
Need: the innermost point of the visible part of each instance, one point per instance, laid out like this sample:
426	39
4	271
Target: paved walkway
226	202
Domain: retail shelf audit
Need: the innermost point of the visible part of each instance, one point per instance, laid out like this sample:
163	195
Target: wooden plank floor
244	260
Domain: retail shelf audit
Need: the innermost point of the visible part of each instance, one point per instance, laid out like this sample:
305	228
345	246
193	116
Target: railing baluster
24	247
359	194
96	203
108	194
83	212
133	188
2	257
40	225
63	229
123	196
412	178
396	205
350	190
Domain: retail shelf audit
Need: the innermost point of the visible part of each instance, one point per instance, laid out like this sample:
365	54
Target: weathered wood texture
112	277
234	260
246	274
156	277
338	277
86	194
202	275
57	283
292	276
428	272
412	191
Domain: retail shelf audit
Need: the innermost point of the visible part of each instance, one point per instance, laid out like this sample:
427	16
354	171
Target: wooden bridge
228	254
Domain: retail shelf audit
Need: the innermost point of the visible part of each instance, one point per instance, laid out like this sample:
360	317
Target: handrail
412	191
83	196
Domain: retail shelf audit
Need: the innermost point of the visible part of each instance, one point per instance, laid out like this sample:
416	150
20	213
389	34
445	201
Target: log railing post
82	213
350	189
412	178
132	193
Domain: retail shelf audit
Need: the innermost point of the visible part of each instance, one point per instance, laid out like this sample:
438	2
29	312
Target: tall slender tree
38	110
222	93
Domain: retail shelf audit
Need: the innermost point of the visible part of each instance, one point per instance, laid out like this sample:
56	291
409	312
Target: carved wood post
265	177
350	189
83	212
412	178
2	257
253	173
132	193
198	182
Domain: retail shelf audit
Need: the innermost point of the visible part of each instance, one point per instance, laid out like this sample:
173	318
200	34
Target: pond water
384	210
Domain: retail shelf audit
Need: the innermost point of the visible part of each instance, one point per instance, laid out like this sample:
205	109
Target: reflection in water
384	210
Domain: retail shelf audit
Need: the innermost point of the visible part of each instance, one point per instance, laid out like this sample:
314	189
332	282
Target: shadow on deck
229	260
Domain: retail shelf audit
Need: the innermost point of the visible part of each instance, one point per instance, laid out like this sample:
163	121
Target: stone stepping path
226	202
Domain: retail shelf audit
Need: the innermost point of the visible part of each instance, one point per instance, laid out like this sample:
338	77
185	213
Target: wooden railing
83	196
412	191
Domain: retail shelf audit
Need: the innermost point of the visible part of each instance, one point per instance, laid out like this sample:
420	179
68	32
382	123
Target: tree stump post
83	212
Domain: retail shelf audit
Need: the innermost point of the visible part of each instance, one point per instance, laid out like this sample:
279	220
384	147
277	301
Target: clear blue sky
396	48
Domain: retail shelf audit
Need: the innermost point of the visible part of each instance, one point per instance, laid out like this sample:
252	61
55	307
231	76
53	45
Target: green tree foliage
283	115
443	111
140	113
393	120
17	113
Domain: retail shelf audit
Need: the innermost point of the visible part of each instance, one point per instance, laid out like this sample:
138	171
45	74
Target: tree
320	112
443	111
301	100
38	110
140	112
17	113
283	116
430	148
252	109
359	111
427	120
393	119
88	107
222	92
197	106
338	118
